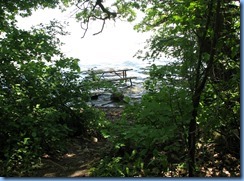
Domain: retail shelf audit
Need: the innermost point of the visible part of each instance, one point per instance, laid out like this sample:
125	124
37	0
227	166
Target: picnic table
113	75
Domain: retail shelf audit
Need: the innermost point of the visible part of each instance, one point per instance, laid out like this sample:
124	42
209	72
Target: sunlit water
134	92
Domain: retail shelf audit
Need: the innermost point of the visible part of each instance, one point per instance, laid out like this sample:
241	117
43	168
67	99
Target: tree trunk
199	88
192	137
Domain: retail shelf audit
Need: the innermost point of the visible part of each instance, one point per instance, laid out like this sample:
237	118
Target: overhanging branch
94	11
101	28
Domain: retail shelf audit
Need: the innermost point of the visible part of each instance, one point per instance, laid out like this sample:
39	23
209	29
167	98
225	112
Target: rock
117	96
94	97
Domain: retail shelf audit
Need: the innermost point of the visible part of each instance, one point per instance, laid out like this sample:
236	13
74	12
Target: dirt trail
75	163
81	156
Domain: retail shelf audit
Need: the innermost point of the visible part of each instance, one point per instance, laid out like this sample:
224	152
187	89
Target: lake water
135	92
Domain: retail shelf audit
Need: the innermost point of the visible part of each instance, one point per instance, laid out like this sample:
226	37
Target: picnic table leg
102	76
124	73
130	82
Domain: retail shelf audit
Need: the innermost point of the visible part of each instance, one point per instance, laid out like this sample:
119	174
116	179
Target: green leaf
26	140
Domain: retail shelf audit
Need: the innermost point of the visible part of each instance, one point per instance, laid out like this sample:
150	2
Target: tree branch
109	13
91	9
86	29
101	28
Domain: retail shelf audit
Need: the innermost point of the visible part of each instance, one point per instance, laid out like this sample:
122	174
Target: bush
150	134
42	98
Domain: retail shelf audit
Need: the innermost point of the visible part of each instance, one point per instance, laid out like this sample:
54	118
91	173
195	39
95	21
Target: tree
41	94
204	36
195	33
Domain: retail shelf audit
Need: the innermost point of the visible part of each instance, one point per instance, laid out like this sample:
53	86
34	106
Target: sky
118	41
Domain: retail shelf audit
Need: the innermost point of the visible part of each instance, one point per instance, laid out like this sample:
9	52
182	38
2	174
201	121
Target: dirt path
75	163
81	156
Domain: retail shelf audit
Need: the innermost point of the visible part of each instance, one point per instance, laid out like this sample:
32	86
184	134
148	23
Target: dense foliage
189	115
191	103
43	100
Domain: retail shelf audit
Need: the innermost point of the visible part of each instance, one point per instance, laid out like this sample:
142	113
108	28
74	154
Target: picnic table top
108	71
